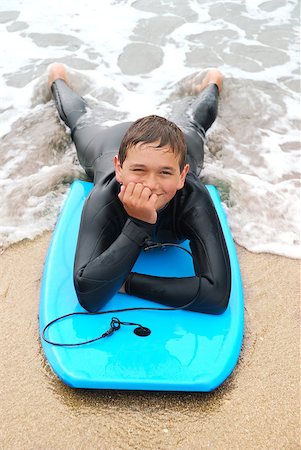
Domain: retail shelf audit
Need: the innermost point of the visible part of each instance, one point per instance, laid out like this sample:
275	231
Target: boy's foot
212	76
57	71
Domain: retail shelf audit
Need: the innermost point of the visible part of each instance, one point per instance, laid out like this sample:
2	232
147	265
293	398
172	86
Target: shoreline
256	407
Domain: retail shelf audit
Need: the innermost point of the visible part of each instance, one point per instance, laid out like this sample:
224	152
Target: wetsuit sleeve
106	252
210	288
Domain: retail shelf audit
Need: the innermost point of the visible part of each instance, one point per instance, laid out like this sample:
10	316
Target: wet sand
258	407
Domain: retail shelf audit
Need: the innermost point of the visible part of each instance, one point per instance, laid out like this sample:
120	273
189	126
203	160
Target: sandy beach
128	59
258	407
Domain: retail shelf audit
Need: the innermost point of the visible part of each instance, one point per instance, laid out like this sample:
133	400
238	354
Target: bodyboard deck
186	351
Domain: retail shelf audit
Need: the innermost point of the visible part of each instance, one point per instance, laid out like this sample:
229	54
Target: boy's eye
166	172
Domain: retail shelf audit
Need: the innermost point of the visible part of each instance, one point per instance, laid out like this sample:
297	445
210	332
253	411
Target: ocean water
130	58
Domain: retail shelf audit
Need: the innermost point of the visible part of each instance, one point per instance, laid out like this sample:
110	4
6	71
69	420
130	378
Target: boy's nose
151	182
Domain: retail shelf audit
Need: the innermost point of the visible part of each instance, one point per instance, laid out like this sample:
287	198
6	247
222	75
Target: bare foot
57	71
212	76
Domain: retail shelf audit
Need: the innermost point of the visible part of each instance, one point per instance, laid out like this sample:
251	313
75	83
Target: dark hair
151	129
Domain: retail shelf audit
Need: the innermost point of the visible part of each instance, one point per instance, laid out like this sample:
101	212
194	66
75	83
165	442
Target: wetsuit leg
204	112
69	104
96	148
95	145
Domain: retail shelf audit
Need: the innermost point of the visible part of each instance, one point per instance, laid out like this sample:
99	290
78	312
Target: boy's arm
210	287
107	249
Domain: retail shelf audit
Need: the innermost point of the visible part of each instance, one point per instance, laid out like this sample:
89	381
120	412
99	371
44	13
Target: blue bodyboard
186	351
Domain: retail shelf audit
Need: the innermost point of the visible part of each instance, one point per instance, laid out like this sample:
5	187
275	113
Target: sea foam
132	58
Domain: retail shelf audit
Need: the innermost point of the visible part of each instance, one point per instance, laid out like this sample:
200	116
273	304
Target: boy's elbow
220	295
215	301
220	298
214	306
83	292
91	296
220	307
87	304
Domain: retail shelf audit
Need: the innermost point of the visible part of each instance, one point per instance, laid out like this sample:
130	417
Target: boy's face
155	168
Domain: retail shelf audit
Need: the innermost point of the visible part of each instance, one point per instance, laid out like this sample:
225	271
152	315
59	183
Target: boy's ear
118	169
183	176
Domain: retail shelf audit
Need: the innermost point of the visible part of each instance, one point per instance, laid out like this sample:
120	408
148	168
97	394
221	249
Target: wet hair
152	129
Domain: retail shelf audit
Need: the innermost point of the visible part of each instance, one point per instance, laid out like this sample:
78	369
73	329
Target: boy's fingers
128	192
121	193
146	193
153	198
136	195
138	190
130	188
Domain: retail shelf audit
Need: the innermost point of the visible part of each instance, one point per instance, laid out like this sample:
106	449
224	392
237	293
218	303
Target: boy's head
153	153
157	129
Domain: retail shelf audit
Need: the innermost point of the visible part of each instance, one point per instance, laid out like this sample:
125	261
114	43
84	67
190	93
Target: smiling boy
150	173
154	194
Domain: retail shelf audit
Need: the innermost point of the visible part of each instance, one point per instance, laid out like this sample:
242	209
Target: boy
154	194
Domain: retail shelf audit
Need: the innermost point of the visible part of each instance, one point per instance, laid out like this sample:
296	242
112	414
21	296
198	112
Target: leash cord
115	323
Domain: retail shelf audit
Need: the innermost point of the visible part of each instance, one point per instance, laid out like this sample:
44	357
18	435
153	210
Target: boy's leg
204	112
69	104
95	146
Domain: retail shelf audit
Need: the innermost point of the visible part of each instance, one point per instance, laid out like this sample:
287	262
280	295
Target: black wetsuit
110	241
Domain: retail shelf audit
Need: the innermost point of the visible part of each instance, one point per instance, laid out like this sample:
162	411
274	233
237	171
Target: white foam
254	156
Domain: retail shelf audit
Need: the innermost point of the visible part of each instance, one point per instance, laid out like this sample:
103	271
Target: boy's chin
161	205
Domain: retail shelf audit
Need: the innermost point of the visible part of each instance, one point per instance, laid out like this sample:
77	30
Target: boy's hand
139	202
